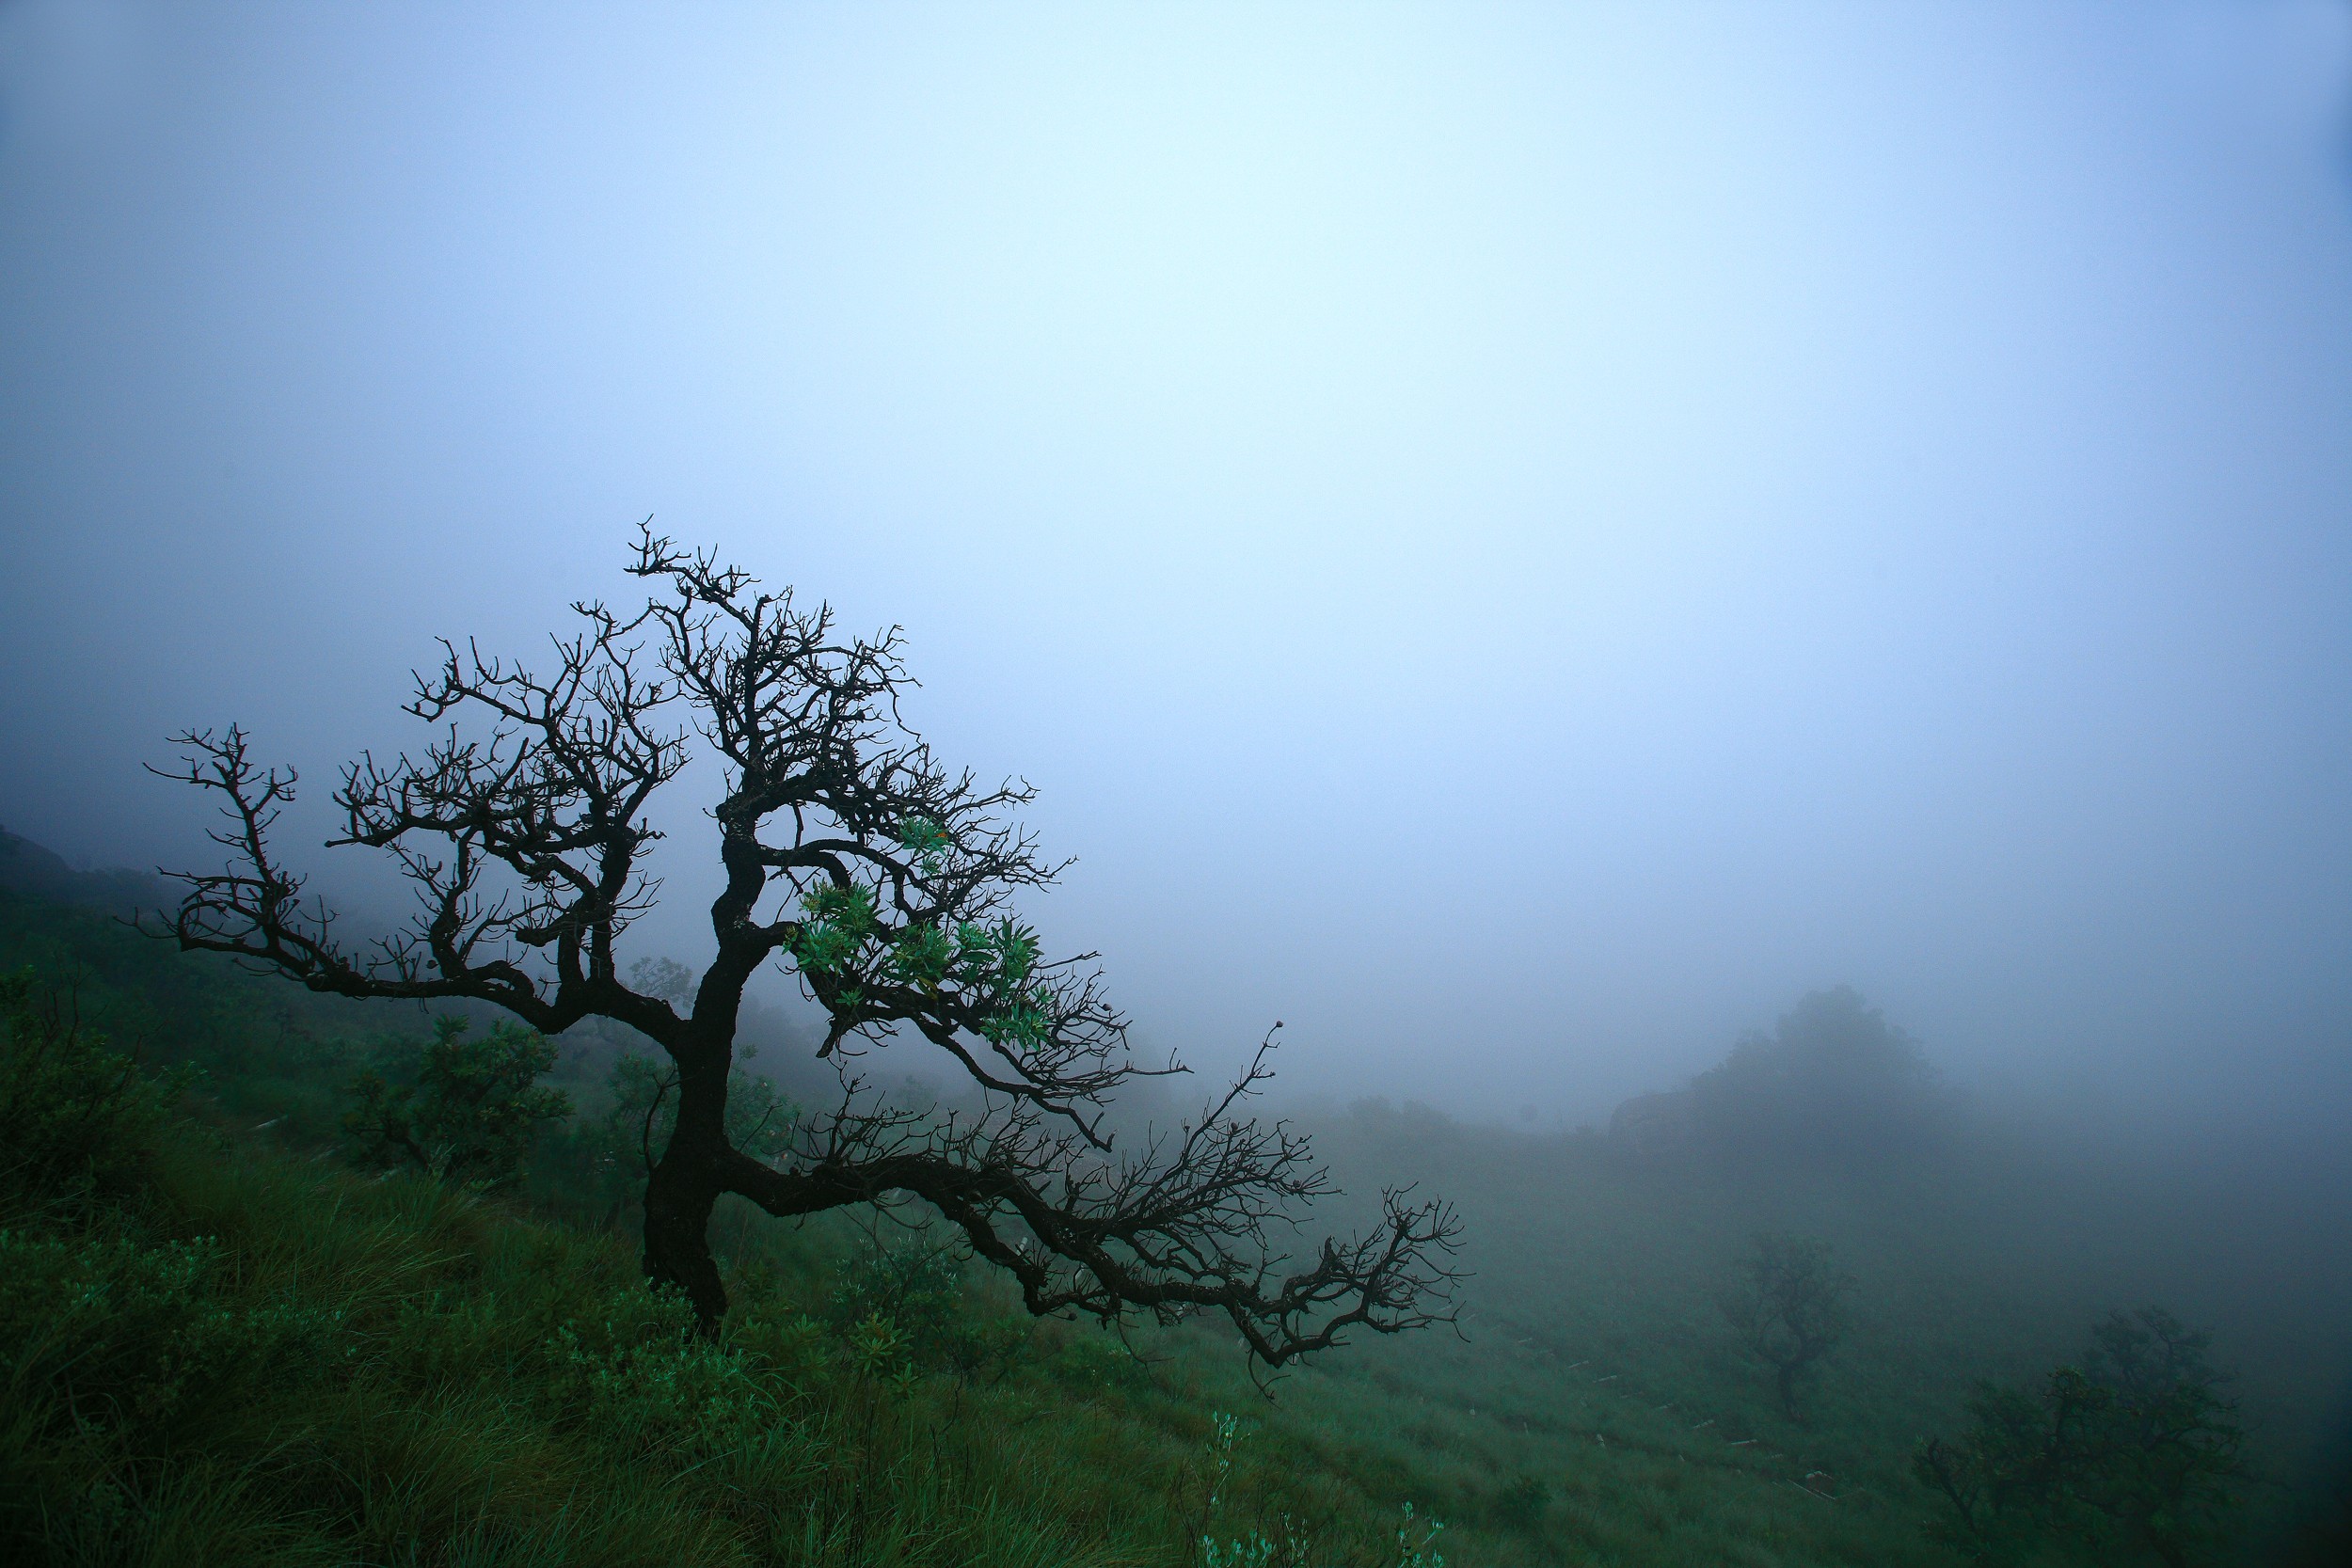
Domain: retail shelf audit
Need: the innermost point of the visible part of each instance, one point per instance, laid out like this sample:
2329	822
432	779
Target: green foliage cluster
472	1111
993	963
126	1331
642	1377
2134	1451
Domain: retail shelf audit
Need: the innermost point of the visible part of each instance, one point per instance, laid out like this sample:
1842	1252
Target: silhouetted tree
883	880
1790	1307
2131	1454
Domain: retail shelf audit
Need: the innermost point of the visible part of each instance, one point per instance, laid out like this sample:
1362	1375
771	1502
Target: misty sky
1517	540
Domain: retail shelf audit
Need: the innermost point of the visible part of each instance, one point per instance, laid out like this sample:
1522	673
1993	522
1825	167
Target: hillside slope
226	1347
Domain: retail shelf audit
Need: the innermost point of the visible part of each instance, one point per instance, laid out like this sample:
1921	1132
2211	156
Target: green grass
243	1351
421	1378
467	1385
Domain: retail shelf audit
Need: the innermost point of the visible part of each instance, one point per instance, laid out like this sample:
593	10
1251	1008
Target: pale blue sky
1517	539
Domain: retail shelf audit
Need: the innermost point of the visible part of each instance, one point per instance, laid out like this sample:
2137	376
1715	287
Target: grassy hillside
223	1345
1597	1360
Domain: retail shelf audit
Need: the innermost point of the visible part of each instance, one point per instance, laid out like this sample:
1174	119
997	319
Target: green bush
917	1287
78	1118
643	1379
105	1334
472	1111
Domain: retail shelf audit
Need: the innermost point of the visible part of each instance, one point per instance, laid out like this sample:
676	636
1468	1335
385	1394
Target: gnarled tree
858	861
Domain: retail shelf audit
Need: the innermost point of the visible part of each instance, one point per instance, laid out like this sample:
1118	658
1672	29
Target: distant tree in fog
879	876
1790	1307
1835	1083
2132	1453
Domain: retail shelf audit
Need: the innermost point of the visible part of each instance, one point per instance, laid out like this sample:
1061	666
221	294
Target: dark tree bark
883	880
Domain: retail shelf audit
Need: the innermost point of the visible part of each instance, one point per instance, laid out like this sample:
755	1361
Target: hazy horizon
1515	540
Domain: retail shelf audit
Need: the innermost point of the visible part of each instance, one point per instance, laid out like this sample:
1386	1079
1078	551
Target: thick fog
1517	540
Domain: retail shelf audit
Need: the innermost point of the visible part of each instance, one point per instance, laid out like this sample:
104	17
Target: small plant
1226	1433
876	1349
1790	1309
1290	1547
1254	1551
1420	1552
471	1113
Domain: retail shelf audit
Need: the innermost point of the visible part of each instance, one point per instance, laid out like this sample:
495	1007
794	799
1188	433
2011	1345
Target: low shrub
78	1117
